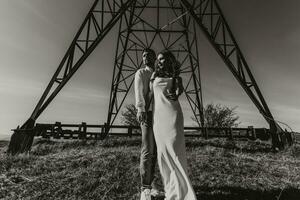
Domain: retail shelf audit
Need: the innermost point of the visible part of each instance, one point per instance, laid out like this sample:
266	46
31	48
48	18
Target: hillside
108	170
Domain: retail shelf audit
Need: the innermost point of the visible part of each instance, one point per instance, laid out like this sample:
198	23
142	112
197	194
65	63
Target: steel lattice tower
158	24
139	28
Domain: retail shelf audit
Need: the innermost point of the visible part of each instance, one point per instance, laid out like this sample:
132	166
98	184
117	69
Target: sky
35	34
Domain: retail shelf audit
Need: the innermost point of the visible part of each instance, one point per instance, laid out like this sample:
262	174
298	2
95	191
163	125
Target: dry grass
220	169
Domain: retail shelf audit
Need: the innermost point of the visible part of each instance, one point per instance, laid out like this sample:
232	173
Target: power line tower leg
101	18
210	19
123	72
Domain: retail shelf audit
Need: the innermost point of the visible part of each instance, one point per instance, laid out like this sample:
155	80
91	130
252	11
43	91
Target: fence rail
94	132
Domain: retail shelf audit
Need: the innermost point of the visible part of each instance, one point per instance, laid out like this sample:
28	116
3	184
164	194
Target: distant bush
219	116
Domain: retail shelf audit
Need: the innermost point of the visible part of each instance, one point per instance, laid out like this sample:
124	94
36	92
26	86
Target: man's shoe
146	194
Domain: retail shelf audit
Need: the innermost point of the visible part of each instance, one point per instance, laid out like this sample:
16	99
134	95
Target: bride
166	86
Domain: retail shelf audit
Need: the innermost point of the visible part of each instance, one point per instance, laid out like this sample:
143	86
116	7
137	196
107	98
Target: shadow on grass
4	143
236	193
114	141
111	141
245	146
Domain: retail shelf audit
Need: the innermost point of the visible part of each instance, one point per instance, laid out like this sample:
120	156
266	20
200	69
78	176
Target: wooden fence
94	132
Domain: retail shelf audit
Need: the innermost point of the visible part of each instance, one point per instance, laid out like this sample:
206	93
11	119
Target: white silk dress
170	141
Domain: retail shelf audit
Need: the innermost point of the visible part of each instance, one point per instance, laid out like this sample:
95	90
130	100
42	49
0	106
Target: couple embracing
161	119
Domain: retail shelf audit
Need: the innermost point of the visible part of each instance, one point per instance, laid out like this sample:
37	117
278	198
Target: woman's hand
171	95
178	89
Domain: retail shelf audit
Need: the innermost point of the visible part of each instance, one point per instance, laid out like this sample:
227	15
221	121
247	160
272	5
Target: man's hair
151	51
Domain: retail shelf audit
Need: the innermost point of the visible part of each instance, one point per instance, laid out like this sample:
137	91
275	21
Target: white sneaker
156	193
146	194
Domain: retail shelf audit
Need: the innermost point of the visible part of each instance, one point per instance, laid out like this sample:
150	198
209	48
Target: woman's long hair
172	68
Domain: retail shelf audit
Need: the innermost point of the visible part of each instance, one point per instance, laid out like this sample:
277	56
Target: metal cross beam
99	21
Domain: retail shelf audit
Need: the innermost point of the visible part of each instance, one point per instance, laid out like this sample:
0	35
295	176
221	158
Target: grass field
109	170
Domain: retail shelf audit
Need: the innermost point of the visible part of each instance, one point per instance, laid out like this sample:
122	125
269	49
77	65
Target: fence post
103	131
83	131
205	132
57	132
130	131
230	133
252	131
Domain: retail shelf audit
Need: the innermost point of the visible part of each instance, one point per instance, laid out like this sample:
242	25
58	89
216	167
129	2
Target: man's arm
139	97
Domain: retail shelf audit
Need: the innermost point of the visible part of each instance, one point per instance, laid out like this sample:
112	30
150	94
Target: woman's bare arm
179	89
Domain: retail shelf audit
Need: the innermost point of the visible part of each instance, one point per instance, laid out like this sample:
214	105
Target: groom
144	117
